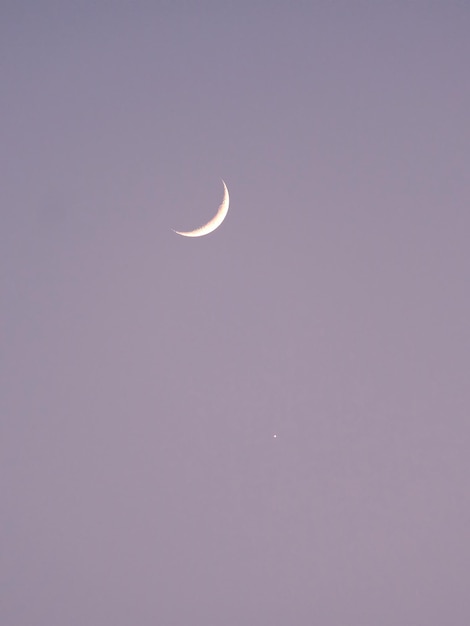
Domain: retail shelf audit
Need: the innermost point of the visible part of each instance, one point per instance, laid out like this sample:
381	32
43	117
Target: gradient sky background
143	375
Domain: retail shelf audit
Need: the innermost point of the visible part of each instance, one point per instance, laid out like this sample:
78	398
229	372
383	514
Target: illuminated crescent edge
214	223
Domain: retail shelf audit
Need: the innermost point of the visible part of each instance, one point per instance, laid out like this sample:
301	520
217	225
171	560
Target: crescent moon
214	223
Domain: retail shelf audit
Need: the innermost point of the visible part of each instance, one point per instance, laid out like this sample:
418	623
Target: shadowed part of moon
214	223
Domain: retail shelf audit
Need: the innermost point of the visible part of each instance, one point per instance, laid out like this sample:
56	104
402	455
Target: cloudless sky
144	375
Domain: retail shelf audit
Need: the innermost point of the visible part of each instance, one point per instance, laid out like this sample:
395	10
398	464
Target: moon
214	223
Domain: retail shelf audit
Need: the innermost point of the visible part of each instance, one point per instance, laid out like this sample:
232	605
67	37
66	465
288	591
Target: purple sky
143	375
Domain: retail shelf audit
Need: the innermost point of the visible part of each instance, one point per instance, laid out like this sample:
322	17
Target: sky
143	375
